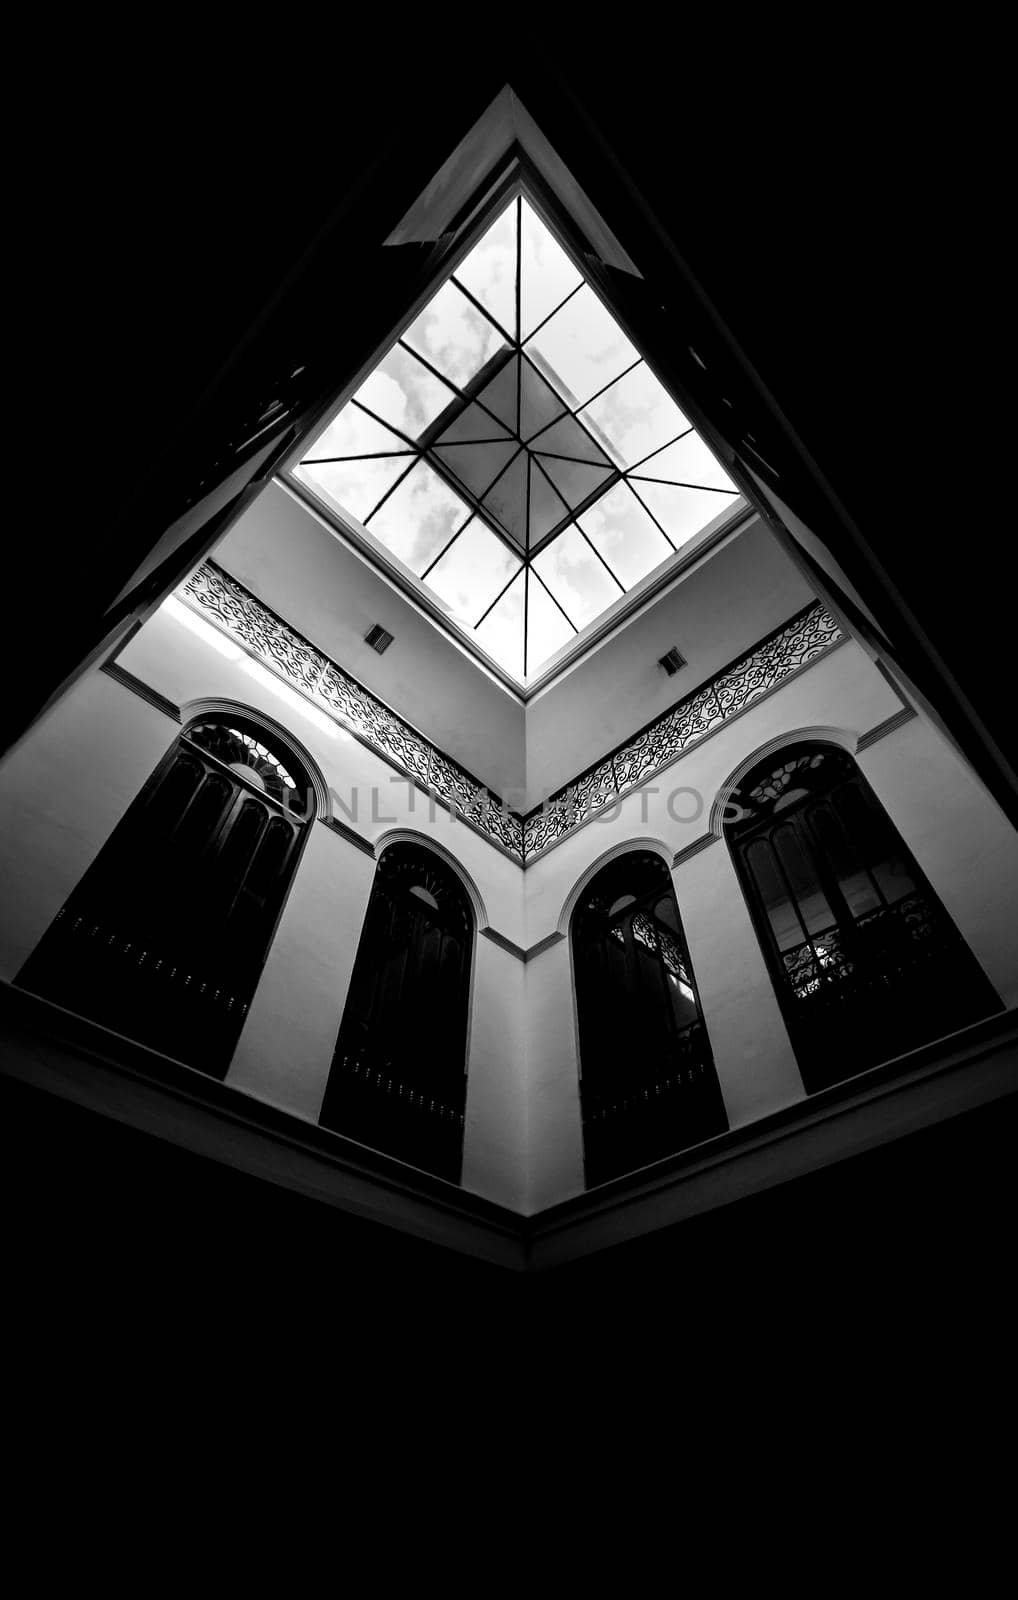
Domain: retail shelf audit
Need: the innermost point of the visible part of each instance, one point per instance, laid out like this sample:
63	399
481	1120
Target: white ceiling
296	564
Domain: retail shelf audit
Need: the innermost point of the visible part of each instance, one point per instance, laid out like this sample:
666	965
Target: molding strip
350	835
882	729
544	944
505	944
694	849
136	686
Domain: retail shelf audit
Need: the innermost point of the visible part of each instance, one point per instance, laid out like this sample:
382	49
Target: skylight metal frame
517	179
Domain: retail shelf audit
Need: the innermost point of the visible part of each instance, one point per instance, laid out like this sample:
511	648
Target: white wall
959	836
842	689
68	783
285	1049
63	789
495	1137
291	559
753	1056
187	667
554	1134
733	596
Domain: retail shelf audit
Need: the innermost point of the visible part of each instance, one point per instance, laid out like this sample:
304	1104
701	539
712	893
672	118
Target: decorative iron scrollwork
224	601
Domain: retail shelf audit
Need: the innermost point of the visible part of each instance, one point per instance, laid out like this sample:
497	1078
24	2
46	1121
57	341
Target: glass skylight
515	453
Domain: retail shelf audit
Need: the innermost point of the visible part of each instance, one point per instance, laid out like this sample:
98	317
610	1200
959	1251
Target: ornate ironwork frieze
776	658
225	602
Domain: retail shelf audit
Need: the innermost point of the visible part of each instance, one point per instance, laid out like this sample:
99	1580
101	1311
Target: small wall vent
672	662
378	638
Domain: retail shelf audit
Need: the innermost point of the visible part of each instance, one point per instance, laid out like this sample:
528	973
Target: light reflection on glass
472	571
355	486
547	274
681	512
454	336
636	415
404	393
419	518
576	577
582	347
547	628
489	271
625	535
688	460
501	632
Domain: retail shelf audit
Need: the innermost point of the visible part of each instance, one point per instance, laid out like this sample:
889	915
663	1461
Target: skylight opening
516	454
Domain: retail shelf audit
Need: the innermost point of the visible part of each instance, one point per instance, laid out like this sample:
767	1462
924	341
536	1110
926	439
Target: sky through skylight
515	452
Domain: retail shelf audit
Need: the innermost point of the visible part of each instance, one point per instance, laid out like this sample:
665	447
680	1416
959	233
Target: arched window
398	1078
165	936
866	962
647	1086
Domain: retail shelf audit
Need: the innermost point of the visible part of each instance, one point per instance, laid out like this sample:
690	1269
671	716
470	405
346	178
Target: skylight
515	453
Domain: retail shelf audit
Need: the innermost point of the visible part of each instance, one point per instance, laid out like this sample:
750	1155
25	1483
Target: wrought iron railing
639	1117
130	982
897	978
405	1111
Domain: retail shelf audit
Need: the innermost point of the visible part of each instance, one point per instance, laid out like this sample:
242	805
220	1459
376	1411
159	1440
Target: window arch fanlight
866	962
165	936
398	1077
647	1087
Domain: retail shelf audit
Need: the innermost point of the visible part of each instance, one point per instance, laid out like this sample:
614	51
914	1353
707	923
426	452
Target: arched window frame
128	948
393	1085
634	1114
851	988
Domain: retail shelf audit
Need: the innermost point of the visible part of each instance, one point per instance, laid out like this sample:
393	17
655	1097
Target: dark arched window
165	936
398	1078
866	962
647	1085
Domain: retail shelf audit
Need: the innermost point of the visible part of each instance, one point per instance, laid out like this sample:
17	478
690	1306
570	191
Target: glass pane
470	574
471	425
681	512
501	395
688	460
568	438
501	632
546	508
354	433
683	1001
877	843
454	336
507	498
582	348
355	486
547	628
419	518
624	534
575	480
854	882
404	393
576	577
636	415
546	273
489	271
539	404
785	925
801	874
478	465
665	912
